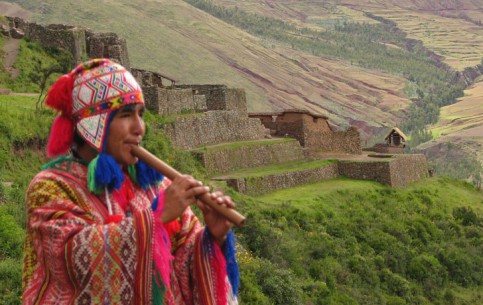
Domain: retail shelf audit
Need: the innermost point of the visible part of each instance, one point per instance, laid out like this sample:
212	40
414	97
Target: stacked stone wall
291	129
107	45
267	184
370	170
220	97
406	169
231	159
213	127
165	101
395	171
386	149
149	78
348	141
80	42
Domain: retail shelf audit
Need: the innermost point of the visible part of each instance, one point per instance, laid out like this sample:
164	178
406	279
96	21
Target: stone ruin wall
213	127
220	97
165	101
408	168
262	185
80	42
231	159
370	170
313	133
347	141
386	149
396	171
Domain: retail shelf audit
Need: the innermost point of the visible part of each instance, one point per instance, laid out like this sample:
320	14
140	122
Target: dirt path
11	50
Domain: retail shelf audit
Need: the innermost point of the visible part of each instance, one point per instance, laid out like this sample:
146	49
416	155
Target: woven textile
73	257
99	89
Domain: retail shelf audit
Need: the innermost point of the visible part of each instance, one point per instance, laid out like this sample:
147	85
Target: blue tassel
104	171
154	204
231	263
146	175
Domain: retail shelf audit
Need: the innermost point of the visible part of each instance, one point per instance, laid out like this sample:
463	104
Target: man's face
125	130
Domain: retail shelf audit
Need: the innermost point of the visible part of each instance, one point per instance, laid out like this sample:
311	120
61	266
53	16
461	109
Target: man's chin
125	163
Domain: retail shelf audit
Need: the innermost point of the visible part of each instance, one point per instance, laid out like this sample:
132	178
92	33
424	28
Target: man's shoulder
61	168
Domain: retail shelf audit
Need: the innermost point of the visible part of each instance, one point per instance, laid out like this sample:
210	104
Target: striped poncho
72	256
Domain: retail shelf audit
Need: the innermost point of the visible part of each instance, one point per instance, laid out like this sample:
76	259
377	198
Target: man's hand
217	224
181	193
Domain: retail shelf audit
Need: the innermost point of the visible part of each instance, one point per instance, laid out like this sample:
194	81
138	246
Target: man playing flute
104	227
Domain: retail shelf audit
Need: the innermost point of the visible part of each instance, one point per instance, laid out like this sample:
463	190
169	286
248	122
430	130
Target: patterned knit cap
85	97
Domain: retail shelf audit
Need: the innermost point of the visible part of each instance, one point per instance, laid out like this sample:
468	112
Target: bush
466	216
11	236
10	281
280	285
425	268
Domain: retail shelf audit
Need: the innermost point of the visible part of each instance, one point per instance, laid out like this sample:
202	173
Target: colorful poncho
72	256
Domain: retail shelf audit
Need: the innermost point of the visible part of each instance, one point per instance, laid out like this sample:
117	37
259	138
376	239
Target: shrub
426	267
465	215
10	281
11	236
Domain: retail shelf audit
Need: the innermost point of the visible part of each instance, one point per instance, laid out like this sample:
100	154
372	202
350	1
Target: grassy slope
333	242
349	234
461	124
197	48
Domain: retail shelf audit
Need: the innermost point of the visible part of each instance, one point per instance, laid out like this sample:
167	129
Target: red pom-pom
59	96
61	137
114	218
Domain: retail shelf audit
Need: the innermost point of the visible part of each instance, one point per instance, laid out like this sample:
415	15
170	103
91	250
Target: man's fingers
187	182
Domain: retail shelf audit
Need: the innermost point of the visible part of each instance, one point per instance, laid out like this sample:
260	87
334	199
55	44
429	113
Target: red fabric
172	227
114	218
125	194
59	96
61	136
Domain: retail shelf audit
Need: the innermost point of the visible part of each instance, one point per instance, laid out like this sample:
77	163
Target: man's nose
138	127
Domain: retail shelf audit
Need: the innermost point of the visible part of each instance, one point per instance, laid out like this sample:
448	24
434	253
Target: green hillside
334	242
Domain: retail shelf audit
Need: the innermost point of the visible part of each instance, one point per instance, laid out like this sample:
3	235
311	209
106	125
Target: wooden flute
169	172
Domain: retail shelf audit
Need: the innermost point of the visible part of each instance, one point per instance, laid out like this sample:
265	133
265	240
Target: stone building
311	130
394	143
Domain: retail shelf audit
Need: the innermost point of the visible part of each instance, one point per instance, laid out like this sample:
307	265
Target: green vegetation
357	242
244	144
280	168
38	68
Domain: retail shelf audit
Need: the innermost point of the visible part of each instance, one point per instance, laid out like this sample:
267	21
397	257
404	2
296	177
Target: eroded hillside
194	47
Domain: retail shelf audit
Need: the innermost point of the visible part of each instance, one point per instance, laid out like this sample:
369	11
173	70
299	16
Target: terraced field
451	29
462	123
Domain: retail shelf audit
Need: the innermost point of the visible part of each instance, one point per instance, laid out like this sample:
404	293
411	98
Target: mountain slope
452	29
174	38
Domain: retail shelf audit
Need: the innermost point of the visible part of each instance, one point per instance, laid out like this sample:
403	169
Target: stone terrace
212	121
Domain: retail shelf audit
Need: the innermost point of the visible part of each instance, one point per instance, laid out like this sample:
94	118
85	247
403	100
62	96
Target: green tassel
131	169
54	162
91	179
157	292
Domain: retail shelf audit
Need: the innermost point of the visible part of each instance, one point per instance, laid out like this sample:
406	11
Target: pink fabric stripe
162	245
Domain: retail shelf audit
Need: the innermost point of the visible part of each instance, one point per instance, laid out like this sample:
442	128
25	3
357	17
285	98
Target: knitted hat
87	98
